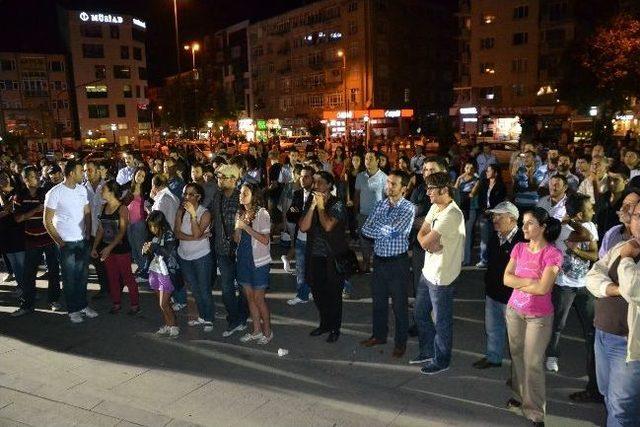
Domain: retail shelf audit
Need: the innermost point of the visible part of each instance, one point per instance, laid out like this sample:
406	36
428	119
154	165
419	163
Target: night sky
30	25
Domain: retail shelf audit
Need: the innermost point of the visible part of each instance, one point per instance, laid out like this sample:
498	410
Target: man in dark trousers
505	221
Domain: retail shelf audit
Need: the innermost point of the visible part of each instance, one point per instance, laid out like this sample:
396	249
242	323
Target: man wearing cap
505	221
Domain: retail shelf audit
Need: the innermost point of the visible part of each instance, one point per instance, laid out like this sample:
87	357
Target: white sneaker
89	312
552	364
177	306
297	300
76	317
163	331
174	331
310	296
248	337
197	322
56	306
264	340
208	326
287	264
241	327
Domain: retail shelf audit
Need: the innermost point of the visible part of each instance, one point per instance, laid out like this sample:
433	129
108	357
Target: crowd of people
556	229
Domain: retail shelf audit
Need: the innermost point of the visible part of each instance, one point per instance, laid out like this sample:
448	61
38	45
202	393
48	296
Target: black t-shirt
35	233
110	226
11	232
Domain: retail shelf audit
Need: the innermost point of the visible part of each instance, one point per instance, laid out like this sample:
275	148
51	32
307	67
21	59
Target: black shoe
484	364
333	336
318	331
413	331
512	403
586	396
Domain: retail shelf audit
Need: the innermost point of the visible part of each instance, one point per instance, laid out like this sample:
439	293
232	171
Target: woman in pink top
531	272
134	200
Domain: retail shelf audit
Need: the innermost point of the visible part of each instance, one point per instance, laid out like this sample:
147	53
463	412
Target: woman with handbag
324	222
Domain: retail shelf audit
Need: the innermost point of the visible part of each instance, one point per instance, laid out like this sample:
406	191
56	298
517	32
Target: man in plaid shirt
389	225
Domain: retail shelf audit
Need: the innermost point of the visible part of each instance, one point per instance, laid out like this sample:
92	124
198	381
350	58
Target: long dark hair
257	197
114	188
551	225
157	219
145	187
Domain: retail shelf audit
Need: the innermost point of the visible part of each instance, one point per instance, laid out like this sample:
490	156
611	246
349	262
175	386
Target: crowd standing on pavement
557	227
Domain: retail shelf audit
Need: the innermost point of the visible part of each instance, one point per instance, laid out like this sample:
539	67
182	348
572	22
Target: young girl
112	246
252	234
163	267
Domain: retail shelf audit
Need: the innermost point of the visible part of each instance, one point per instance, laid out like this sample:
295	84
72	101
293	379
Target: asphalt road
113	370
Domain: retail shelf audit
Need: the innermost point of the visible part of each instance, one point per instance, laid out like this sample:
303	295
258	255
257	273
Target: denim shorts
256	278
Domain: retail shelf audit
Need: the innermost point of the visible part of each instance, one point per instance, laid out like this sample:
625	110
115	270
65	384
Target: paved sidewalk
113	370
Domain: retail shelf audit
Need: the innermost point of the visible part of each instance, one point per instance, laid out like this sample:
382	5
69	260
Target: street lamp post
342	54
194	47
175	22
210	126
113	131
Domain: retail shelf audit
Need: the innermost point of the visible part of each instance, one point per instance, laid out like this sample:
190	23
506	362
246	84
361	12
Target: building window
115	31
7	65
520	38
92	50
121	72
487	68
56	66
137	53
91	30
142	73
315	58
520	12
555	38
98	111
127	93
558	11
354	95
517	90
488	93
137	91
121	110
96	91
353	27
334	100
236	51
519	65
100	71
124	52
353	6
487	43
137	34
487	19
316	101
58	85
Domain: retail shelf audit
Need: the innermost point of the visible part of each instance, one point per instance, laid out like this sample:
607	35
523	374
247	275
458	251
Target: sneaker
177	306
287	264
432	369
197	322
56	306
163	331
264	340
551	364
248	337
174	331
420	360
76	317
296	300
21	312
208	326
481	265
9	278
89	312
231	331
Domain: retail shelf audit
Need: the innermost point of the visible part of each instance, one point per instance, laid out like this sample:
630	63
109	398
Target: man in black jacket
505	221
300	203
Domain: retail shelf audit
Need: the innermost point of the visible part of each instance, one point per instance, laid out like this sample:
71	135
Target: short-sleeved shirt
320	246
371	189
443	267
35	233
531	265
574	269
68	204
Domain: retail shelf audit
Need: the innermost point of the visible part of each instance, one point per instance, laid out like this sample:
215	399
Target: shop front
367	123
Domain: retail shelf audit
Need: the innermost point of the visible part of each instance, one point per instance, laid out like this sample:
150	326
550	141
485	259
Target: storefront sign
100	17
139	23
469	110
392	113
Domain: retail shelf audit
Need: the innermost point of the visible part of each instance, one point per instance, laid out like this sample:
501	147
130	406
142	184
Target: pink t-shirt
531	265
136	210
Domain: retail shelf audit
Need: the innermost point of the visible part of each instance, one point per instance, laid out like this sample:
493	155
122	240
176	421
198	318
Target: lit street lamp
341	54
193	47
210	126
114	127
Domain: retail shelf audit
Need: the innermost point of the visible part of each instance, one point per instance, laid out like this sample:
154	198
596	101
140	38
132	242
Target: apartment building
108	72
34	96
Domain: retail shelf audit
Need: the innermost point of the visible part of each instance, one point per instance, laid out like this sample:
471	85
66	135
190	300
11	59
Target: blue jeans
486	228
17	265
32	260
495	326
618	381
197	273
302	287
435	340
137	234
236	305
74	263
469	223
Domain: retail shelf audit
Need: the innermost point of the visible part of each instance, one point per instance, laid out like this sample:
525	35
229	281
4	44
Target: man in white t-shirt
578	242
67	218
442	236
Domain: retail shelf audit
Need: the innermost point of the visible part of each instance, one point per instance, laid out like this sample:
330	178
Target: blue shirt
371	189
525	192
389	226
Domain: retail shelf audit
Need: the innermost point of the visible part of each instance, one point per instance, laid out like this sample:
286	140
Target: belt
391	258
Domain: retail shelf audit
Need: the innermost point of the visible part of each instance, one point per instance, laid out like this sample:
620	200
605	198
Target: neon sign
139	23
101	17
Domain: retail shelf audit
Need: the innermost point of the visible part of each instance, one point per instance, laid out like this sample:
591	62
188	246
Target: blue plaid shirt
389	226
